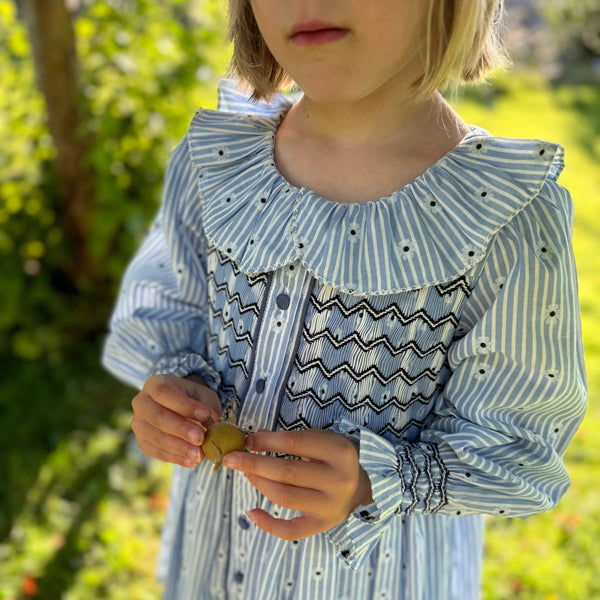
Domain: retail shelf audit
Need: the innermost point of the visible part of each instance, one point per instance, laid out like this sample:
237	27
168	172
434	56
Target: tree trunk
53	41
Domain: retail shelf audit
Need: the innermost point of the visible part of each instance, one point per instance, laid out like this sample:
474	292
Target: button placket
282	311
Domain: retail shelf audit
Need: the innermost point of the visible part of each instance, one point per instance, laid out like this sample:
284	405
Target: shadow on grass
41	405
90	486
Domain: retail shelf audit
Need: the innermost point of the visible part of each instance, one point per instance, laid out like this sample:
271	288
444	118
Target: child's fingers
290	530
146	409
315	444
162	454
289	496
283	470
150	436
166	390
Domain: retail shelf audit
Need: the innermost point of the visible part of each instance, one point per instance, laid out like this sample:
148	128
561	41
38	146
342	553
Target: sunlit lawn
556	556
81	515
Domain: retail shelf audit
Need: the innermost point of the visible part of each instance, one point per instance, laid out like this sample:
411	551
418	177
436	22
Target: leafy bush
145	67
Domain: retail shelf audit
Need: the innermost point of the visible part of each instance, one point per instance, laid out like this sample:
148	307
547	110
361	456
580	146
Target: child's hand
326	485
170	415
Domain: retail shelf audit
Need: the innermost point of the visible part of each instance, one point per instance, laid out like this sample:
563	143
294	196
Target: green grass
81	516
556	555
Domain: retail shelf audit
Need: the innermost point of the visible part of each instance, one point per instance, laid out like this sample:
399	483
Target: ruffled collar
430	231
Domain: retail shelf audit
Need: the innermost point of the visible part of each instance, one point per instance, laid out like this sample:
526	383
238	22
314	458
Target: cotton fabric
437	327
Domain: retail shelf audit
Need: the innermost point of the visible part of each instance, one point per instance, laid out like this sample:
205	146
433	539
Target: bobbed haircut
462	45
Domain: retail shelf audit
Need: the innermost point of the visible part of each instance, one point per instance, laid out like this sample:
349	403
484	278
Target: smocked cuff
357	536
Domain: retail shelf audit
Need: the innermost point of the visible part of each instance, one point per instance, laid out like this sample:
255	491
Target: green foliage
146	66
574	23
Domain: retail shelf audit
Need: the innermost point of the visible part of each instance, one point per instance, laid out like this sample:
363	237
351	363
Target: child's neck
364	122
371	148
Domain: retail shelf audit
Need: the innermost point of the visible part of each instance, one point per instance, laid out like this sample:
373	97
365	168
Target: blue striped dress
438	327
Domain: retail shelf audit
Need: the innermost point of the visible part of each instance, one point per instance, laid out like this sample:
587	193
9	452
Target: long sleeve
159	322
495	438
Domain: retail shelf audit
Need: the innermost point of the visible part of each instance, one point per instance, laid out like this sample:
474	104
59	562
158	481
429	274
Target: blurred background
93	97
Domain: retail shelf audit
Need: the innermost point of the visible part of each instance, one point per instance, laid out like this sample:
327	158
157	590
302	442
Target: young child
380	291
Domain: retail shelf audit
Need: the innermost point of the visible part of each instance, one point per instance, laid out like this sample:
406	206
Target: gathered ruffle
430	231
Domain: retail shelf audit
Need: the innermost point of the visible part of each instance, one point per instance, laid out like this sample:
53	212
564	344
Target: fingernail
201	413
250	515
232	461
249	442
194	456
195	436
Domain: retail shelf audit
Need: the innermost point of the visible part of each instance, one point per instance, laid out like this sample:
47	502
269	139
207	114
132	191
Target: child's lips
316	32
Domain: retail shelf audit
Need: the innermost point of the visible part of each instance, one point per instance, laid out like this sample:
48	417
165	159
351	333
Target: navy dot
283	301
260	386
263	200
479	146
238	577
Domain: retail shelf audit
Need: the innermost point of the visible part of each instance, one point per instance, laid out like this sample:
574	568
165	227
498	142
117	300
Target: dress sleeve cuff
357	536
184	363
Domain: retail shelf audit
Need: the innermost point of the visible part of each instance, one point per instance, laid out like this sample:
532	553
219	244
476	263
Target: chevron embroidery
213	338
447	288
359	376
231	298
395	401
393	309
224	260
366	346
228	323
299	424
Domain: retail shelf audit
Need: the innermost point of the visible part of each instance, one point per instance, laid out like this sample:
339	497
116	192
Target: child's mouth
307	34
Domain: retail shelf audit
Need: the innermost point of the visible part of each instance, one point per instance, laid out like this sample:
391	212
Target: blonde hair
462	45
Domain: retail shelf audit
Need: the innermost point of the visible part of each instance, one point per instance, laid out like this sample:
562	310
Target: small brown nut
220	439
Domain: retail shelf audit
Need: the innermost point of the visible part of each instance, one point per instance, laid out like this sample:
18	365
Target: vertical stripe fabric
437	327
